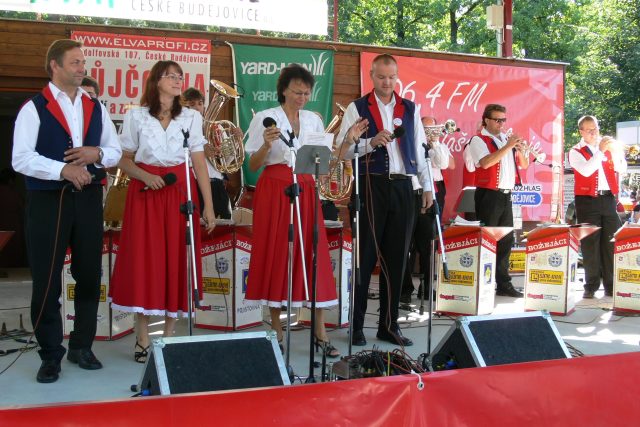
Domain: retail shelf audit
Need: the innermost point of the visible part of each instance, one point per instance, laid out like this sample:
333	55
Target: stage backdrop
121	64
534	98
256	70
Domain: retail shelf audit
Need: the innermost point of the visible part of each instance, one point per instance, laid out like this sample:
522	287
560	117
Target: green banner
256	70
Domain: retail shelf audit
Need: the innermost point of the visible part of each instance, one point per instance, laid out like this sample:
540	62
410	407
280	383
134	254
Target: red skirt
267	281
150	274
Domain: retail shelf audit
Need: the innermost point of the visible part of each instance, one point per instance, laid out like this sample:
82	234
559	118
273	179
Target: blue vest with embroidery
378	159
53	141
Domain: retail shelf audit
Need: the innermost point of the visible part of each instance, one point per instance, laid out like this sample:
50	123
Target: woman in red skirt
150	273
268	273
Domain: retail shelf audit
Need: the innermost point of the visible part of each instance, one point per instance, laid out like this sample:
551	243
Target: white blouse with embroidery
280	153
143	134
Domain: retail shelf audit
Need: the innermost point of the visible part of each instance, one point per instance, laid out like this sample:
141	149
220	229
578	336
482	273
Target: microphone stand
355	239
293	192
187	209
307	156
445	268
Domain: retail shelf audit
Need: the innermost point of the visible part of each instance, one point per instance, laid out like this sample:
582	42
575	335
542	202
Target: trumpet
527	150
436	131
613	144
538	156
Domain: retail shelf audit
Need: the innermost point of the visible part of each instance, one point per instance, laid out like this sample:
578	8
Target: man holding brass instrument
596	162
497	157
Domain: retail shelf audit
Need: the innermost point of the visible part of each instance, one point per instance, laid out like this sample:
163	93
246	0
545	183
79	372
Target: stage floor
591	329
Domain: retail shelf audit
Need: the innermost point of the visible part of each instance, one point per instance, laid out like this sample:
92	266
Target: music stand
313	159
466	201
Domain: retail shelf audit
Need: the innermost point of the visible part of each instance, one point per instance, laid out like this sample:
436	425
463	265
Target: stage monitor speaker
498	340
213	362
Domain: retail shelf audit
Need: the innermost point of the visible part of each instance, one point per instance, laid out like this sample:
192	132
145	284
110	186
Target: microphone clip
185	133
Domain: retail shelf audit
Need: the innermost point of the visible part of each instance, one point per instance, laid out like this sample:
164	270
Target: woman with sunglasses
150	273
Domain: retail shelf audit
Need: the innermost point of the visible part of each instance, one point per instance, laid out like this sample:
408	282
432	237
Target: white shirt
396	164
469	164
27	161
439	156
279	152
143	134
588	167
478	149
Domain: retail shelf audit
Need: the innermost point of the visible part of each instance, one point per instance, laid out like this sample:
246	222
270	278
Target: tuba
224	148
337	183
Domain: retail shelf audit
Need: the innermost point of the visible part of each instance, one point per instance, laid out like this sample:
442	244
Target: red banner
533	96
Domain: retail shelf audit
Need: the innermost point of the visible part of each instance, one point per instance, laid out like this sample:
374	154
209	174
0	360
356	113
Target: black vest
378	159
53	140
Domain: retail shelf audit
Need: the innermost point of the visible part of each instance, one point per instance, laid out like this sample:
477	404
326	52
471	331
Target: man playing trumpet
495	156
596	162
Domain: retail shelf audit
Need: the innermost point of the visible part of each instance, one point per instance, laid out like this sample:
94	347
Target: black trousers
386	223
220	199
440	195
423	234
597	250
493	208
81	229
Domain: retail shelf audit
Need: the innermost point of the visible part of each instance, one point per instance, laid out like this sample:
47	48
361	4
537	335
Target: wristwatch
100	155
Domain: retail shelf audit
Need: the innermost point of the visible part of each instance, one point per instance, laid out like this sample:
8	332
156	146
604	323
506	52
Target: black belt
604	193
391	176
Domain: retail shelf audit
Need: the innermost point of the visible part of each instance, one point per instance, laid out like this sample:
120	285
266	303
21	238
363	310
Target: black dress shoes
48	372
394	338
85	358
588	295
509	291
358	338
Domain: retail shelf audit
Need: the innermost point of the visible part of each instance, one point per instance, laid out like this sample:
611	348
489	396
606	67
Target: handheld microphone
398	132
98	175
169	179
269	122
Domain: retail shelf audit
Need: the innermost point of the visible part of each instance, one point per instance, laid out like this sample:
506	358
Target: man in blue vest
62	141
390	141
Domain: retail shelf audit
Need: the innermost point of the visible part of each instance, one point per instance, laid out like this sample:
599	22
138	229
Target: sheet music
318	138
461	221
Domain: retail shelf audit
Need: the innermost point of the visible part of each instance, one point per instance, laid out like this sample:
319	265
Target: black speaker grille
513	340
221	365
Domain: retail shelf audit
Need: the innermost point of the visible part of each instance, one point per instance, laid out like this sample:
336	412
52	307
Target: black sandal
140	356
326	347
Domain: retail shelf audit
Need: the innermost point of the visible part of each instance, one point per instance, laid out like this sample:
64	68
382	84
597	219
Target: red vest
489	178
588	185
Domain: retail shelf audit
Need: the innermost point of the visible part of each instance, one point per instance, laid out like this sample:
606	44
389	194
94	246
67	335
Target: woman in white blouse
267	281
149	276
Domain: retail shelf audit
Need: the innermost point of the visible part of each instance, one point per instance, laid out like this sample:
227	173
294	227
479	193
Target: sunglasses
498	120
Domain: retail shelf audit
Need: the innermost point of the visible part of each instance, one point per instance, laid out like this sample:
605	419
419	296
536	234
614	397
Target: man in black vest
62	141
388	157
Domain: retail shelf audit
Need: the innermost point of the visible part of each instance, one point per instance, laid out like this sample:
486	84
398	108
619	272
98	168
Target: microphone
269	122
168	179
398	132
98	175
